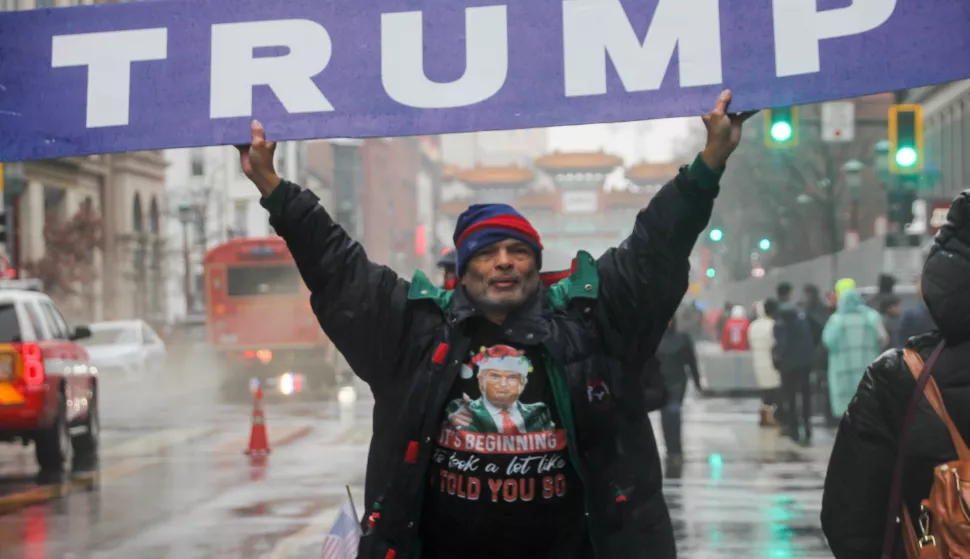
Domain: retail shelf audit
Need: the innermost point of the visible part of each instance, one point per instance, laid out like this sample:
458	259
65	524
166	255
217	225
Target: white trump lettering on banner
235	71
486	60
799	28
109	56
595	29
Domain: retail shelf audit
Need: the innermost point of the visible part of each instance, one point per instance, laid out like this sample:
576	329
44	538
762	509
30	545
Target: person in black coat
678	362
859	478
503	348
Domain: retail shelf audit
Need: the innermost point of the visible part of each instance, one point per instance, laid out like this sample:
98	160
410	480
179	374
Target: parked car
126	346
48	387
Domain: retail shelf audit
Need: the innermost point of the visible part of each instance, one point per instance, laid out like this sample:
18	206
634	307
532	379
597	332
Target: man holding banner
567	467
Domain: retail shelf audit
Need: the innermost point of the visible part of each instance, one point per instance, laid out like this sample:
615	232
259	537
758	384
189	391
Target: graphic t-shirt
501	482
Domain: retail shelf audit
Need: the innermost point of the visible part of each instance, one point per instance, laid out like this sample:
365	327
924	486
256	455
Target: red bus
258	317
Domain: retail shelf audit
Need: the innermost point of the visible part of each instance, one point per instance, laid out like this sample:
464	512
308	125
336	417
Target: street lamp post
882	159
185	216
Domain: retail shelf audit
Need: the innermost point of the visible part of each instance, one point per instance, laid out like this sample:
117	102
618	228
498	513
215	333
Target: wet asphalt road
173	481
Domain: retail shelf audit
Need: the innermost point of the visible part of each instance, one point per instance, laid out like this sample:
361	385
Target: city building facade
209	201
946	134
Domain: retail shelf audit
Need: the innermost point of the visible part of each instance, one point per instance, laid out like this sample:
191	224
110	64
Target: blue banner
179	73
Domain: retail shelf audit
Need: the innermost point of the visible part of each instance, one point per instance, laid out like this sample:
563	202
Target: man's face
502	275
501	388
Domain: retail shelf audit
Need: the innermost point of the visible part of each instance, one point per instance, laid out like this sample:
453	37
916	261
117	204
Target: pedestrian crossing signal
781	127
905	139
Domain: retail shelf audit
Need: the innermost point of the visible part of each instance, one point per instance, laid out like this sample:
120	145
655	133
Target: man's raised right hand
256	159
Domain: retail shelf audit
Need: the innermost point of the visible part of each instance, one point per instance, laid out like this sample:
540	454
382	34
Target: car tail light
33	363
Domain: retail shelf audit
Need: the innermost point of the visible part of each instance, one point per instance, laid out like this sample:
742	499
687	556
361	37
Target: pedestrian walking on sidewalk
509	417
854	336
794	357
761	336
734	337
859	484
678	364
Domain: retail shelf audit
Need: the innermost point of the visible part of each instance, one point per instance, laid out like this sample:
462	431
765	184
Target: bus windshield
249	281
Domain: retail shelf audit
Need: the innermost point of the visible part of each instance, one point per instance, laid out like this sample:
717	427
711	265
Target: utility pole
186	212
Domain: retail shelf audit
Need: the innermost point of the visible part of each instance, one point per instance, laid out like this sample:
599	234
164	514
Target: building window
946	154
240	218
197	162
955	166
137	217
46	4
54	202
153	217
966	141
281	165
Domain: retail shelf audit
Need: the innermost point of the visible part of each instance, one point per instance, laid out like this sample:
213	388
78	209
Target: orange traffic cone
258	442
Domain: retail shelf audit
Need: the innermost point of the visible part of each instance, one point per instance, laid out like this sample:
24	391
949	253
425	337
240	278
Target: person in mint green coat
854	337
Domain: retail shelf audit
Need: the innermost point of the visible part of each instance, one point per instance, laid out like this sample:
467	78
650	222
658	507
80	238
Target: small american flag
344	536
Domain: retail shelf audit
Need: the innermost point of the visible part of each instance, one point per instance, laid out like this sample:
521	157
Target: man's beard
530	289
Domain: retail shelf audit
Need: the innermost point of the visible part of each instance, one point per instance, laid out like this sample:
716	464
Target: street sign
838	121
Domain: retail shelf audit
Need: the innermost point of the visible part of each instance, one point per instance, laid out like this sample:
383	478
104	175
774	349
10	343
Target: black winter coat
794	350
858	482
678	362
598	327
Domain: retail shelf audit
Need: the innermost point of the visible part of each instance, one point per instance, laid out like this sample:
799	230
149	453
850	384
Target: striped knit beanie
483	224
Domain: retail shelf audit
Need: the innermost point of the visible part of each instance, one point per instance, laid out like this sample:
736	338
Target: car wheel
86	444
52	445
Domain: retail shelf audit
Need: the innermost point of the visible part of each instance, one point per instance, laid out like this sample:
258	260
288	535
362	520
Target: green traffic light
711	273
716	235
906	157
781	131
764	244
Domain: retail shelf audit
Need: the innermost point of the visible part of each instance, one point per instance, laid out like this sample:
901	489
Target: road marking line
35	495
142	448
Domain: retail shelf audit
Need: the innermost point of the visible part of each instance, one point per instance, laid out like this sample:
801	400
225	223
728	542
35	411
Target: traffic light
711	273
905	139
764	244
716	235
781	127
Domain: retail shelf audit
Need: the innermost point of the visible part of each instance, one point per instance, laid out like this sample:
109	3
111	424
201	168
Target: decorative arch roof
651	172
578	161
510	175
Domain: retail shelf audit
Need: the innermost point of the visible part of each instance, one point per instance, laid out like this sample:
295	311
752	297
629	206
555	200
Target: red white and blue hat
484	224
